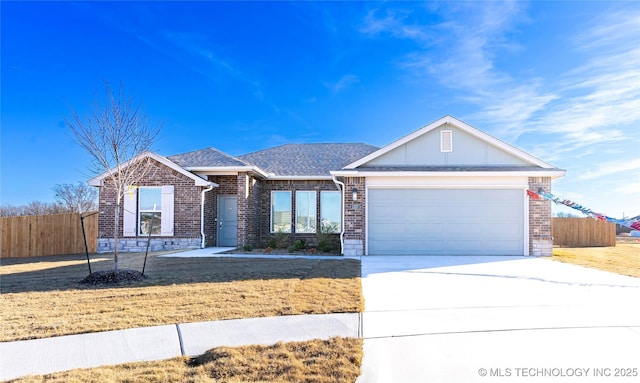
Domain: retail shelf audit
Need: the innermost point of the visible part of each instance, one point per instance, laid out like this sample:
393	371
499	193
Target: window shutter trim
167	211
129	212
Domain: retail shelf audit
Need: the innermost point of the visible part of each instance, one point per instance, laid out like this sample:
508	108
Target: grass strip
318	361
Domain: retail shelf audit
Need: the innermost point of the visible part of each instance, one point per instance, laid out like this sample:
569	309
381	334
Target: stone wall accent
540	219
105	245
353	247
186	211
355	220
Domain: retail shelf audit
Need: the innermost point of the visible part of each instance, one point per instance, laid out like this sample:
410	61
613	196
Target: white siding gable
426	150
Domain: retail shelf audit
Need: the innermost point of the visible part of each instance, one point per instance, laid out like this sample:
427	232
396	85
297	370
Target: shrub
326	236
280	240
247	247
299	244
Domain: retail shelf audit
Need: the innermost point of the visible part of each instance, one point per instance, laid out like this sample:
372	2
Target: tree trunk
116	218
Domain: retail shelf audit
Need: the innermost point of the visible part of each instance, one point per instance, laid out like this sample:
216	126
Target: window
305	212
281	211
330	211
446	141
150	211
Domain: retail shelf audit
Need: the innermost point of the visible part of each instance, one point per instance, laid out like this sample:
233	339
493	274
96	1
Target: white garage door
445	222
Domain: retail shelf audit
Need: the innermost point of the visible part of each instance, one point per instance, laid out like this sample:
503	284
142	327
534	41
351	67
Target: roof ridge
230	156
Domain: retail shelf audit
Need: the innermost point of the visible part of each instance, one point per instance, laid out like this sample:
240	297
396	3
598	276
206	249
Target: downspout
342	187
208	189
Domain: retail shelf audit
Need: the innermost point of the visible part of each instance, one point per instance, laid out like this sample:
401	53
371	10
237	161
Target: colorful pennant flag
633	224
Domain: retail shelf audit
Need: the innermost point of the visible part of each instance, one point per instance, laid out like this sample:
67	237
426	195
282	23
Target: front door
227	220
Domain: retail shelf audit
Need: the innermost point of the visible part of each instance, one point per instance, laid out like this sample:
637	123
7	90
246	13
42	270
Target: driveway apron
497	319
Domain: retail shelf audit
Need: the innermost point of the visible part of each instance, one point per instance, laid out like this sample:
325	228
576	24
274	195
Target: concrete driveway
497	319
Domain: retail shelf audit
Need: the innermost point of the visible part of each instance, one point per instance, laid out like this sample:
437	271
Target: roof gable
97	181
470	147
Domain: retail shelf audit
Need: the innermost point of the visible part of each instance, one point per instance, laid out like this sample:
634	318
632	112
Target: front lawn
624	258
42	297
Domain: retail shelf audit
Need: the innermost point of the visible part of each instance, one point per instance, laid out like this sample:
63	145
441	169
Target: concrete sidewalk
44	356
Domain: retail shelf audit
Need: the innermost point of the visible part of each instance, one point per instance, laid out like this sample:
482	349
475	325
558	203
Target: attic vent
446	141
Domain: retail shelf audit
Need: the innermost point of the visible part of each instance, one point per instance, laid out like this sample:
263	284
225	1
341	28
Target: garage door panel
445	221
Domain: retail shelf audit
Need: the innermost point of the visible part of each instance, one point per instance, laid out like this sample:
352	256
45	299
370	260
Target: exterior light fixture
354	193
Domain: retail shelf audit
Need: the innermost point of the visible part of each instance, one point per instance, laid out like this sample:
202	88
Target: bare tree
116	135
77	198
32	208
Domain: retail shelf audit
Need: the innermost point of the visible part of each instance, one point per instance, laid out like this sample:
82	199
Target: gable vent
446	141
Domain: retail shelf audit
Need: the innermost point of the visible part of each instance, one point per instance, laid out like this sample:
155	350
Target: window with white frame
149	211
305	212
330	211
281	211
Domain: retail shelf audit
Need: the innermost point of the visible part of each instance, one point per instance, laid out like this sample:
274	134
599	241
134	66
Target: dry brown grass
623	259
334	360
42	297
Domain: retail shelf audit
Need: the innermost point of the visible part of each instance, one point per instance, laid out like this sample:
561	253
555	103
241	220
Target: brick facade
266	187
254	212
227	185
540	220
354	216
186	232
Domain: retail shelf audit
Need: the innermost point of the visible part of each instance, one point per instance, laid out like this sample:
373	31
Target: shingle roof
208	157
307	159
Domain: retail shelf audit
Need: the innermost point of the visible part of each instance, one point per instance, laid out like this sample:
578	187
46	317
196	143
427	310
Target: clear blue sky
560	80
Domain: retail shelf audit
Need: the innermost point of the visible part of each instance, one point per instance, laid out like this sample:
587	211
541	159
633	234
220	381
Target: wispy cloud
458	50
604	93
589	105
344	82
611	168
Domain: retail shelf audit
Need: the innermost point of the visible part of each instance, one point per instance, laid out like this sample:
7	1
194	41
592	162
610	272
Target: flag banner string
633	224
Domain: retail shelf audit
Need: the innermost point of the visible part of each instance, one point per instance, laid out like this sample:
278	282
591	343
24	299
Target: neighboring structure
446	188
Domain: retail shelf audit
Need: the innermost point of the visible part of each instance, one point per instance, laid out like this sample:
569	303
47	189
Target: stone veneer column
540	220
354	219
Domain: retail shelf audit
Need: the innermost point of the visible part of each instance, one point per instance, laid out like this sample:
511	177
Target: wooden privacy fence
583	232
32	236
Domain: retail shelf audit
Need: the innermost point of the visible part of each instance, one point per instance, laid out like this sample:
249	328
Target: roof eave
229	169
553	173
274	177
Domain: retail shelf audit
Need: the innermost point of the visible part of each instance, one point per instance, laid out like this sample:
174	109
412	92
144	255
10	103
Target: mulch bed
108	277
